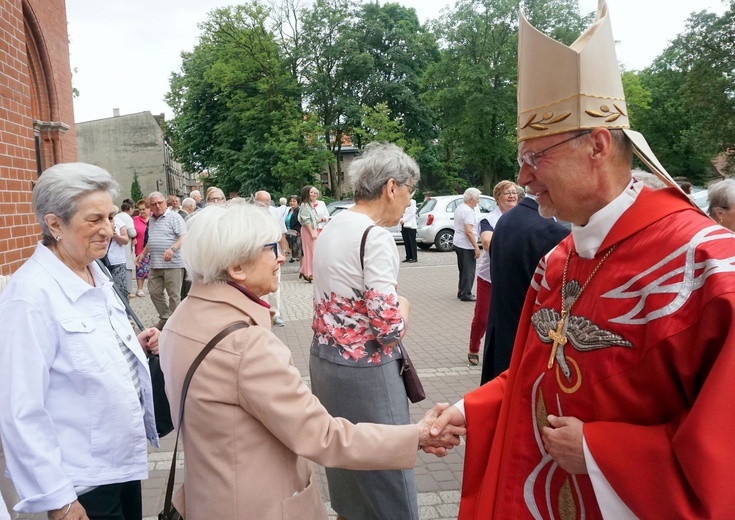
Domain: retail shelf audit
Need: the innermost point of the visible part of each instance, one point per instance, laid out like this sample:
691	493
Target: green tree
237	107
377	124
637	96
397	50
473	88
301	152
330	67
136	193
692	86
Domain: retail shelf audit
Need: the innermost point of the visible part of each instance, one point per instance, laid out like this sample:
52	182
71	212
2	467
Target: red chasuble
648	366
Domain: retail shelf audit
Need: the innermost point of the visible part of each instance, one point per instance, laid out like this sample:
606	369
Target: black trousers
409	242
466	264
114	502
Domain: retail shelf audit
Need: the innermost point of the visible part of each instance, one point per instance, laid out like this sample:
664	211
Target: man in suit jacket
522	237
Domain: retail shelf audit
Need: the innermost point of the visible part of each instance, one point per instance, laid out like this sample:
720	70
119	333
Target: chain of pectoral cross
558	336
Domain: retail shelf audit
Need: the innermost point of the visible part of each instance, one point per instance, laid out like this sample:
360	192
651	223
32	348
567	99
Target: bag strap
362	246
406	365
195	364
128	309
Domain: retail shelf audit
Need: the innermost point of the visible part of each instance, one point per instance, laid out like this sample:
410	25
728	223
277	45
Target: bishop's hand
563	441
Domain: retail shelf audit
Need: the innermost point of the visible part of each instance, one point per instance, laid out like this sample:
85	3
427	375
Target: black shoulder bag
169	511
414	388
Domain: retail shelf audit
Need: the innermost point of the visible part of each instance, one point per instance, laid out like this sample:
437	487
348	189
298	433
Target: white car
341	205
436	220
699	197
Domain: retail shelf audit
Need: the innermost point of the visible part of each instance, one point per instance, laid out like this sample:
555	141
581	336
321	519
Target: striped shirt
132	362
162	233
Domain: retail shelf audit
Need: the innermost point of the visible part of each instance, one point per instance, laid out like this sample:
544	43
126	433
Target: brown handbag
169	511
414	389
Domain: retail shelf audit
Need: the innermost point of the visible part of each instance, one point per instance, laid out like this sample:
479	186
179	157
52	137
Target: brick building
36	115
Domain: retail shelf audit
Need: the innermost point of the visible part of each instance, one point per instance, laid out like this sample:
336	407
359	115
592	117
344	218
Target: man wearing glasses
165	231
617	402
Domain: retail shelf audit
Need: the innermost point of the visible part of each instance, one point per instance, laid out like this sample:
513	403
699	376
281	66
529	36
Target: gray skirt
366	394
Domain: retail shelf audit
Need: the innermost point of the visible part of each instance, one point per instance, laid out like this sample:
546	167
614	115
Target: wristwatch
174	249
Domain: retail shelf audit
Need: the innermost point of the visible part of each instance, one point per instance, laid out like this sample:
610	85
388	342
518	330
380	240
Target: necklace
558	336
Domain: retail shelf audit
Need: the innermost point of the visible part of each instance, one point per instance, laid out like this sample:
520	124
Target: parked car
341	205
338	205
699	197
436	220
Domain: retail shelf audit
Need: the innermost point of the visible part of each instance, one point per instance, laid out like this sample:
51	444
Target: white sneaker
278	322
140	293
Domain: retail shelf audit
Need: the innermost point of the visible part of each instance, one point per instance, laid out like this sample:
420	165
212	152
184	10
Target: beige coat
250	421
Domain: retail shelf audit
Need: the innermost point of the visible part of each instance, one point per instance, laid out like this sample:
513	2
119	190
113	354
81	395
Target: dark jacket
521	238
293	220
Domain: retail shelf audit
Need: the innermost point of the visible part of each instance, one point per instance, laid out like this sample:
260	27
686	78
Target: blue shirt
70	414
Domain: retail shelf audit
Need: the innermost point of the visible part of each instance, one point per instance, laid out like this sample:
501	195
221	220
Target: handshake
440	429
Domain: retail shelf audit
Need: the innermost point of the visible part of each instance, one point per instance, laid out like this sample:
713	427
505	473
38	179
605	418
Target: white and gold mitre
564	88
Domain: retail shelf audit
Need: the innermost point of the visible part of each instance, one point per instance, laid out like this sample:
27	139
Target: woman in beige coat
251	423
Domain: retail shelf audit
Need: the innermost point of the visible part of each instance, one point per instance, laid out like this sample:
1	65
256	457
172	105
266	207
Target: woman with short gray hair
74	380
250	421
358	321
379	163
721	197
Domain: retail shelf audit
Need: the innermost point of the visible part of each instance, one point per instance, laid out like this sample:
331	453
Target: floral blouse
356	311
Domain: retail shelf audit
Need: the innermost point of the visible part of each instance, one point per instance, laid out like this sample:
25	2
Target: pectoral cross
558	338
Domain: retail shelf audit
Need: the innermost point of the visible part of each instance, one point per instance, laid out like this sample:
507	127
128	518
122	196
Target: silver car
436	220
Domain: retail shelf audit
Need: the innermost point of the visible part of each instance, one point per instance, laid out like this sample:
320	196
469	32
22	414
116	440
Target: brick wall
35	88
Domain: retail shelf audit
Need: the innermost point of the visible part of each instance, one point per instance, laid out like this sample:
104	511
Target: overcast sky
124	52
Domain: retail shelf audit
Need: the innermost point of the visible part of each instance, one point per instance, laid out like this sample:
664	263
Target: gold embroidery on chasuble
567	507
541	412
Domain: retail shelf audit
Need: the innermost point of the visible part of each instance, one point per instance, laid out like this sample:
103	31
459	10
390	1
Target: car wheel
423	246
444	240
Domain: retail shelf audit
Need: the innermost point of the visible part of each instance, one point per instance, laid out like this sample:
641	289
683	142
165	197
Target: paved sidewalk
437	339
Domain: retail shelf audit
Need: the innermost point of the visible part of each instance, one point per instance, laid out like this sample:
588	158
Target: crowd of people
605	303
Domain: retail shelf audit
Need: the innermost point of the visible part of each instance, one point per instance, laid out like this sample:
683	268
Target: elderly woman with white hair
721	198
74	382
250	421
358	320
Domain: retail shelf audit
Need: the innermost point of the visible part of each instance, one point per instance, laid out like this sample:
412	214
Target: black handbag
414	389
161	408
169	511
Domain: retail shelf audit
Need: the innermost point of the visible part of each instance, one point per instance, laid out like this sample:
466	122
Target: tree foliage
473	88
237	108
136	193
270	96
692	89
